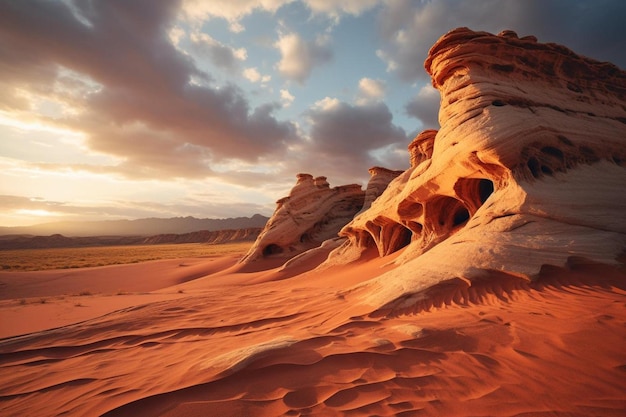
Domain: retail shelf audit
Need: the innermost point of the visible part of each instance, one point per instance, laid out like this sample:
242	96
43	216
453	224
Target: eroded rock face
527	169
379	180
311	213
421	148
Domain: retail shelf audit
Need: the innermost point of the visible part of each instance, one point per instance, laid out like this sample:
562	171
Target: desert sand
255	344
488	279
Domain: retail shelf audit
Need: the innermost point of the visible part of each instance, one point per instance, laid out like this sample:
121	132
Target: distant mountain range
139	227
8	242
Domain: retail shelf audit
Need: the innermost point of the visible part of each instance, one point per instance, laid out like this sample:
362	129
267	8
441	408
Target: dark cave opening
460	217
272	249
485	189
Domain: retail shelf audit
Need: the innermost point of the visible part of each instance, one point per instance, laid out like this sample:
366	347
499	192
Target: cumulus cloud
347	139
425	107
232	11
235	11
326	104
144	109
286	97
299	56
335	9
254	76
370	89
220	55
410	28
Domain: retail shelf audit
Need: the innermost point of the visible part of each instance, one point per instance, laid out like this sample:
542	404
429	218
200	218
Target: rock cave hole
554	152
485	189
415	227
272	249
452	213
365	240
399	237
408	209
534	166
373	229
461	216
546	170
473	192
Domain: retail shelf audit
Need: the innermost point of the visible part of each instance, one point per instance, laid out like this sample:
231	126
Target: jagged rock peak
304	183
321	182
379	180
421	147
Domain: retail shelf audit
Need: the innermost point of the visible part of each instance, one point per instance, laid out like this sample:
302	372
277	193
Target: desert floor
201	337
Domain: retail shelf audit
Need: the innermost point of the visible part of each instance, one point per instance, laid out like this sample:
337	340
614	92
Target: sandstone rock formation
379	180
421	148
325	212
527	170
312	213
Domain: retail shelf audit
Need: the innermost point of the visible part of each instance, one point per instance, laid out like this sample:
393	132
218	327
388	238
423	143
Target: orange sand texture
200	337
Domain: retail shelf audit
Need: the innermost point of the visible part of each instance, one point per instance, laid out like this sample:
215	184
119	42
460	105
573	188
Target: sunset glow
127	110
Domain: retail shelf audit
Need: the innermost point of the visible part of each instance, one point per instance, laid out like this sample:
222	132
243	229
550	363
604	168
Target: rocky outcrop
379	180
527	170
421	148
311	213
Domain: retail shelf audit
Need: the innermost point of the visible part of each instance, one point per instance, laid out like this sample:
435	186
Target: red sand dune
305	345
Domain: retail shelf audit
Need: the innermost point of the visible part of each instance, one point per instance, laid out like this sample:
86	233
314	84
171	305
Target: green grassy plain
65	258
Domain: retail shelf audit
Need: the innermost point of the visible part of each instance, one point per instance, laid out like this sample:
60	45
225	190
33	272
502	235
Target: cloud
370	89
299	57
408	28
232	11
326	104
335	9
425	107
347	139
253	75
286	98
138	103
220	55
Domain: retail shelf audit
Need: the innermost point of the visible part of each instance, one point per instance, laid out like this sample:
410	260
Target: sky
125	109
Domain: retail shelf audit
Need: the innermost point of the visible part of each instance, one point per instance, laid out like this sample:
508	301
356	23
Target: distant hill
8	242
205	236
140	227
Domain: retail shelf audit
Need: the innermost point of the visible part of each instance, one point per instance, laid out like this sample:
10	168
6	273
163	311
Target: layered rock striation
526	171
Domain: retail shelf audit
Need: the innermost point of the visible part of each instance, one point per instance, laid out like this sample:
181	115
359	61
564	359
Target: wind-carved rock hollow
526	172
